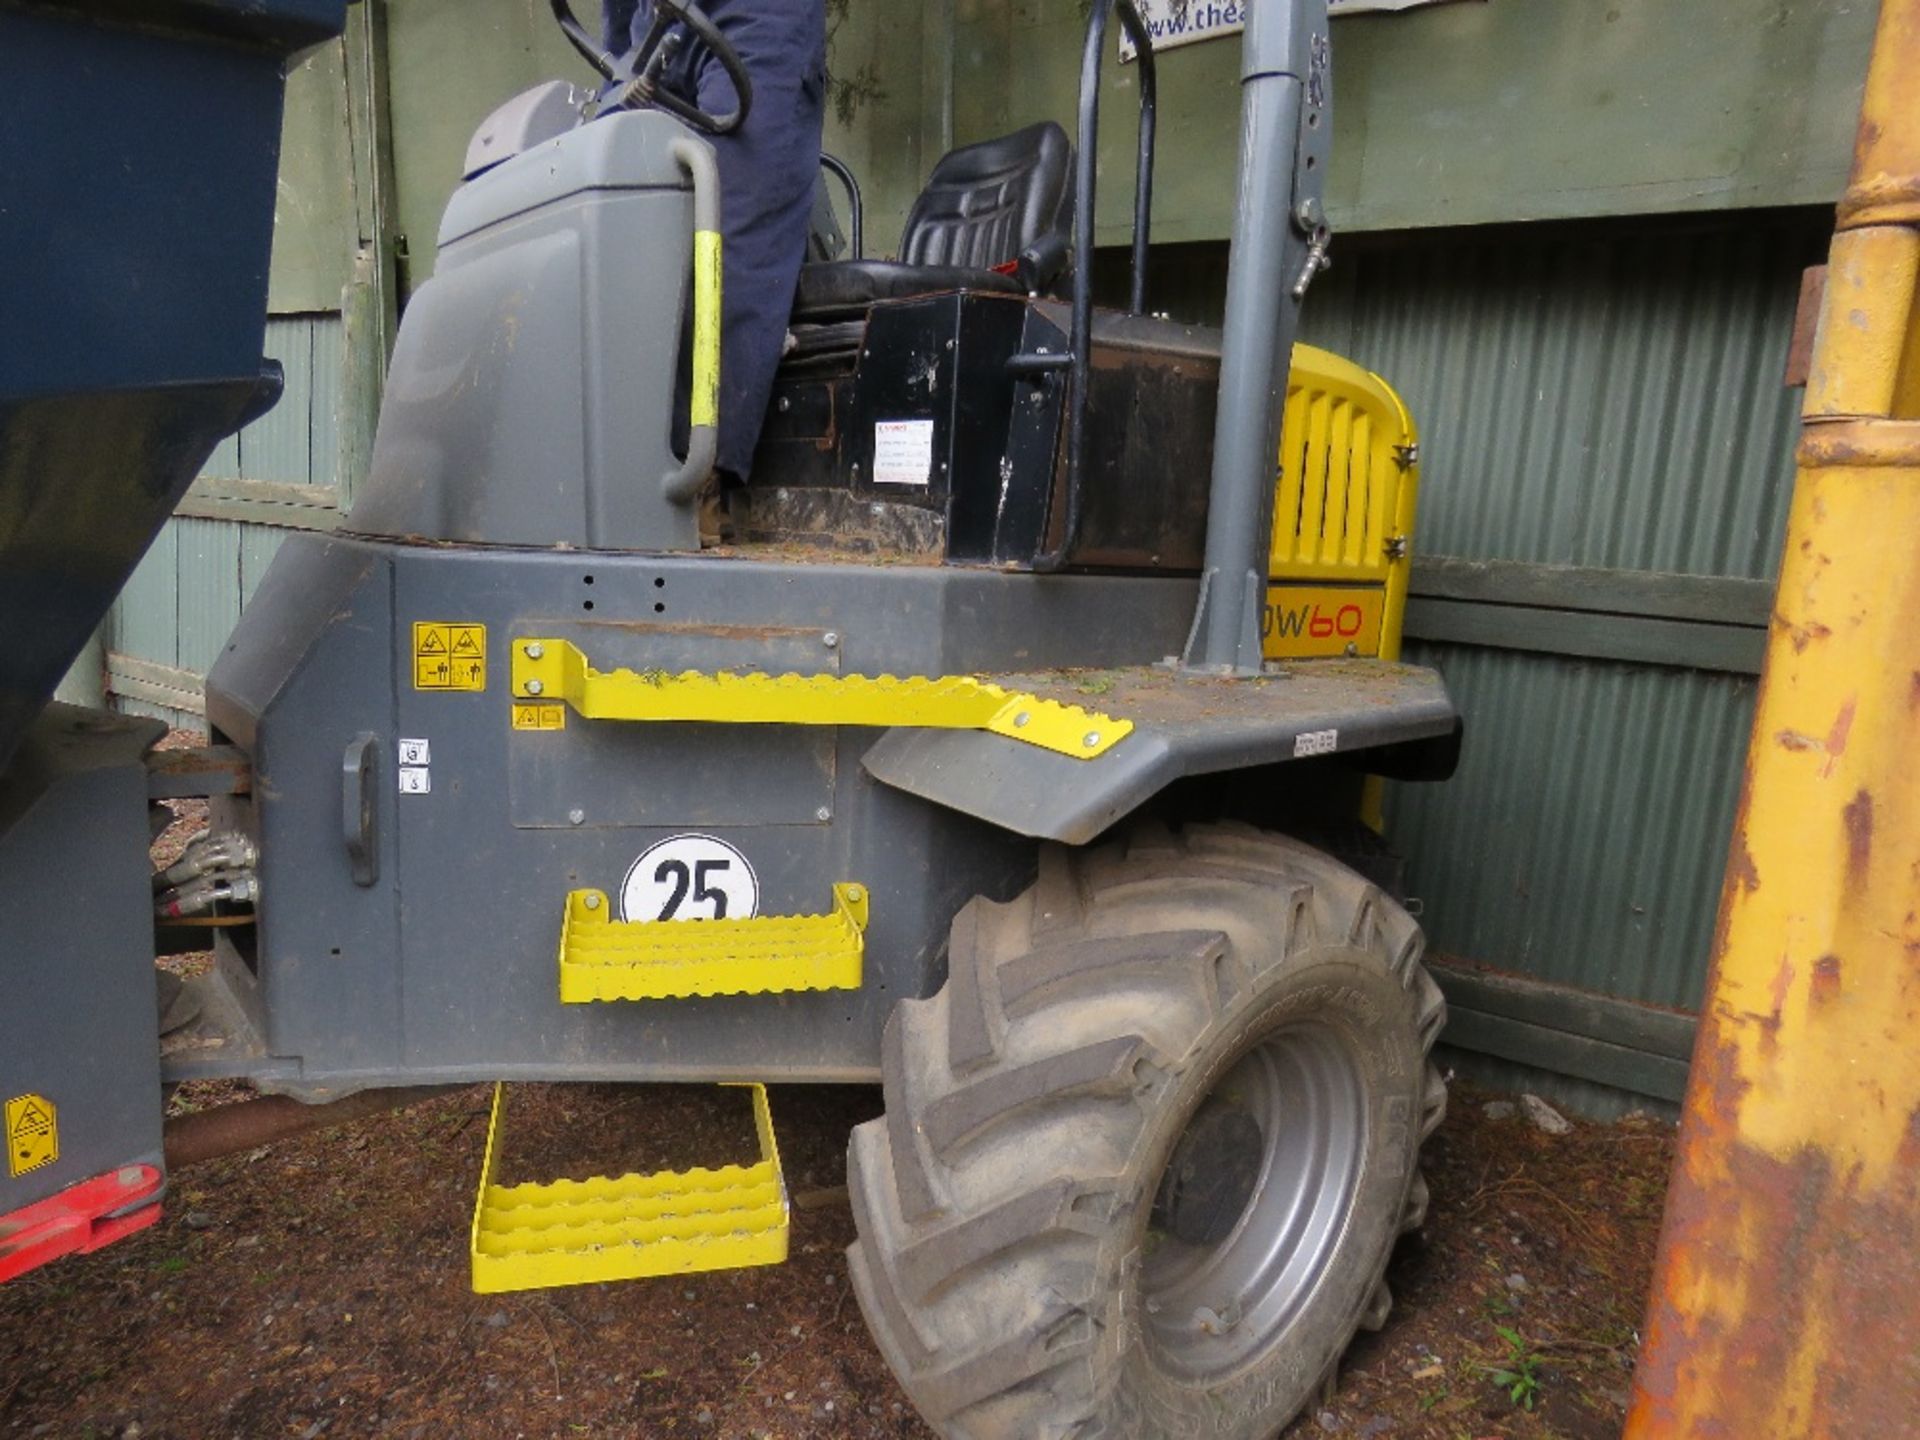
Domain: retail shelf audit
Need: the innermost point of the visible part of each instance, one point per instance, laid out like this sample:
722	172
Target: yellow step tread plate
661	1185
549	1234
557	670
606	959
579	1232
509	1215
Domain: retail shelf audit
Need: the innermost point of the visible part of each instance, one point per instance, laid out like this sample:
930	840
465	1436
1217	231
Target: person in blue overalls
769	167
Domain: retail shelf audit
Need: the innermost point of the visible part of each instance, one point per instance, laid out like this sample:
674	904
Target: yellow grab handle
705	408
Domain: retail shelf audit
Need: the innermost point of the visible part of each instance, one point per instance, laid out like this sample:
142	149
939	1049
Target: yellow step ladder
602	958
673	1222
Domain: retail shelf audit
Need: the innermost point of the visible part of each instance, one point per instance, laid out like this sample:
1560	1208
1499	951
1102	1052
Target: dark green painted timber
1472	113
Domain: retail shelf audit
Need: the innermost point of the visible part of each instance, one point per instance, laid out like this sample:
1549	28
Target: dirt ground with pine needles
319	1287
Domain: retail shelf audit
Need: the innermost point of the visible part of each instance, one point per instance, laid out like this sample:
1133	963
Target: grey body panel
626	151
1185	725
77	1017
445	968
542	113
530	399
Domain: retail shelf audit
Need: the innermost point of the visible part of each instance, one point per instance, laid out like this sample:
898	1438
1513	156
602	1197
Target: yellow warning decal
539	715
449	656
33	1133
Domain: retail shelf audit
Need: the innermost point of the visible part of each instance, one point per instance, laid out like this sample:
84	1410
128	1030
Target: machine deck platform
1183	724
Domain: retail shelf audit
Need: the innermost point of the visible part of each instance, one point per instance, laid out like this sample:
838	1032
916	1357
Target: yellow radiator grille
1347	479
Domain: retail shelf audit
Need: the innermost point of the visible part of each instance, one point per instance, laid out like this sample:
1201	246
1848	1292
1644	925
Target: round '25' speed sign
690	877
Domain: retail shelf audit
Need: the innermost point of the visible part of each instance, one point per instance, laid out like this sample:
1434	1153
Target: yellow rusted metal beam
1859	367
1786	1293
1884	188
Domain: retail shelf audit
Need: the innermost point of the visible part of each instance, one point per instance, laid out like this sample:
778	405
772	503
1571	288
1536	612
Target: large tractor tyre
1145	1155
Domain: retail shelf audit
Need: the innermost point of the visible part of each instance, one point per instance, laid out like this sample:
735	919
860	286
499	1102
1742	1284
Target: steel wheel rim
1209	1309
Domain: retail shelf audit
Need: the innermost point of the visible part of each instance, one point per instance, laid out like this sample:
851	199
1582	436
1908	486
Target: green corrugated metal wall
1583	839
1596	401
1601	394
1597	395
1607	399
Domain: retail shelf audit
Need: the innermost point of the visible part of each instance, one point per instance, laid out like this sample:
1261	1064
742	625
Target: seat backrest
986	203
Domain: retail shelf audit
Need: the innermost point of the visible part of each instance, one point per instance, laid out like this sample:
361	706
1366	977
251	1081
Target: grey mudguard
1183	725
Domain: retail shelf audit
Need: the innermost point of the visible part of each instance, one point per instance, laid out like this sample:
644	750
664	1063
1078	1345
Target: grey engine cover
530	398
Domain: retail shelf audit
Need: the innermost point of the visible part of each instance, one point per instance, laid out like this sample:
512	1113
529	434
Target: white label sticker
1315	742
902	452
690	877
415	752
1181	22
415	780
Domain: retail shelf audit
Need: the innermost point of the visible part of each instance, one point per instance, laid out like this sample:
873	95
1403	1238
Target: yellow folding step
673	1222
552	670
602	958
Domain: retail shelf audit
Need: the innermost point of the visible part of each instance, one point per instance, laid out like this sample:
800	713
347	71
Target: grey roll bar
1279	241
1079	356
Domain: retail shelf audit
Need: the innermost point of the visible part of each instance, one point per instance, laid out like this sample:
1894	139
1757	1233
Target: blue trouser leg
616	24
768	169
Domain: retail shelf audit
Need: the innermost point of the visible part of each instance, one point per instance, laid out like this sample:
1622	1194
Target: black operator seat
999	203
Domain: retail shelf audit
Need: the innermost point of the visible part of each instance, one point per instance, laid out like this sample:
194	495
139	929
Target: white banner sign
1181	22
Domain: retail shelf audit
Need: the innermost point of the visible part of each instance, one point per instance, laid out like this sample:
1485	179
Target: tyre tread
954	1216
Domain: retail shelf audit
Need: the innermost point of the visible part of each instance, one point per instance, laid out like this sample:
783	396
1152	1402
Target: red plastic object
80	1219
